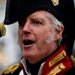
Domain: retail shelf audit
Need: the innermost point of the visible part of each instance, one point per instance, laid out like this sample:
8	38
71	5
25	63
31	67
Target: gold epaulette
11	69
73	60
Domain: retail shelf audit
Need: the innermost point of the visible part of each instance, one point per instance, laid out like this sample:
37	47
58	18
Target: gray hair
55	24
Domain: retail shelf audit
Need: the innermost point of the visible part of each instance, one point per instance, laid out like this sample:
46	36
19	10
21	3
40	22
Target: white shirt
27	71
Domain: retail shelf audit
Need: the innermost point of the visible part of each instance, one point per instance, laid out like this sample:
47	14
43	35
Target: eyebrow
39	19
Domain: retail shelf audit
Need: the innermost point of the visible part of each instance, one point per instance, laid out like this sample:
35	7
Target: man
40	32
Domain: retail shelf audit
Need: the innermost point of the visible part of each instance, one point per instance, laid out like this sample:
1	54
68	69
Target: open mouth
28	42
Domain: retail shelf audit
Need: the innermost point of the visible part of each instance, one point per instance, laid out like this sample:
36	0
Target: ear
59	31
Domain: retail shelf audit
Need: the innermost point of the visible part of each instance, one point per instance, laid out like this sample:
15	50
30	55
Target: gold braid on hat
2	29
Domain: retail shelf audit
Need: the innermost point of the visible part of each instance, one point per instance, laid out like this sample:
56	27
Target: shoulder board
11	69
73	60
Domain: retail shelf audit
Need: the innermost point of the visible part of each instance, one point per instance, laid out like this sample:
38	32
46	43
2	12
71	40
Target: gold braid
73	60
2	29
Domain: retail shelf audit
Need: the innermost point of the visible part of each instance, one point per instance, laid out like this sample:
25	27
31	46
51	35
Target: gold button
64	53
61	66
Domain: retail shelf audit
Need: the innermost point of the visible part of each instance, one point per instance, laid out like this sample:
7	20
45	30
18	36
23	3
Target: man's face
36	36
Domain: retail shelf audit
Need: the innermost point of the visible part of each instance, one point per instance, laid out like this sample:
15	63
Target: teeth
28	42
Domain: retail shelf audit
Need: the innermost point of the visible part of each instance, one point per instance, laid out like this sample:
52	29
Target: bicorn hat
63	10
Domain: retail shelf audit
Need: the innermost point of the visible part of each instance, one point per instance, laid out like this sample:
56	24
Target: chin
27	54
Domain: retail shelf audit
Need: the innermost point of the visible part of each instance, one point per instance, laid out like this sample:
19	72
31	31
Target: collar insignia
55	2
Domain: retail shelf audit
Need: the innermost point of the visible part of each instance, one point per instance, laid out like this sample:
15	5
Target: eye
36	22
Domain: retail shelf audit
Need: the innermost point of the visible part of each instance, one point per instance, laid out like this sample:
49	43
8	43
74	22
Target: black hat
18	9
63	10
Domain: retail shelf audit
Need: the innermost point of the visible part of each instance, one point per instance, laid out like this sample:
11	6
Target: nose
26	29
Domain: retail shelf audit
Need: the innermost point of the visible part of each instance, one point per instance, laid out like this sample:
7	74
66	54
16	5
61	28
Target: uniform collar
27	71
56	64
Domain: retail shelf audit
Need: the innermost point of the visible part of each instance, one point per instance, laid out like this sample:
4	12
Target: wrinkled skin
37	28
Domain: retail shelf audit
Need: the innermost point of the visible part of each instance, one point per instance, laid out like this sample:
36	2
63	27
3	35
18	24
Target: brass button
61	66
64	53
